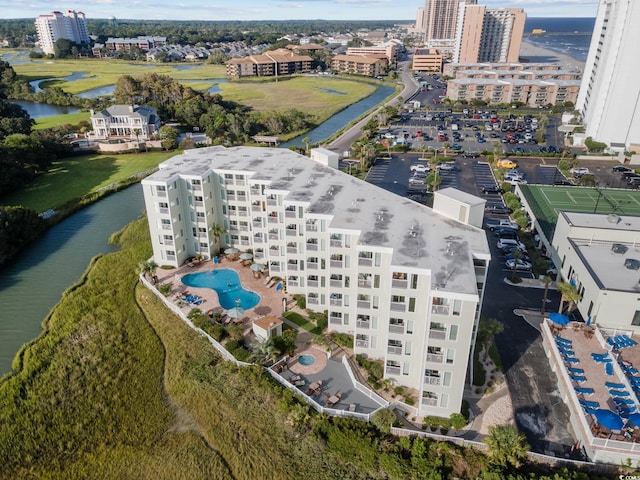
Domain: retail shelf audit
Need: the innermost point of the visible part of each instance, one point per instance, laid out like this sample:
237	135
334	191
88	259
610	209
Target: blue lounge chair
566	341
567	353
584	390
588	404
608	368
619	393
624	401
619	386
576	370
578	378
571	360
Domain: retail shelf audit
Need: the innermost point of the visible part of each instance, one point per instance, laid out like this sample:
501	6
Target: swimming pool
306	359
227	285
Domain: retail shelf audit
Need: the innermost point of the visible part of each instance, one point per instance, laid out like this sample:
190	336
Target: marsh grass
76	177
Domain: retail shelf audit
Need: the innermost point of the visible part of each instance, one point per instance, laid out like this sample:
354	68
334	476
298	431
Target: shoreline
534	54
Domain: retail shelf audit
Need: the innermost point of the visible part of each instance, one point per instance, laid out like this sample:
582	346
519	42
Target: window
636	318
453	333
450	355
457	307
412	304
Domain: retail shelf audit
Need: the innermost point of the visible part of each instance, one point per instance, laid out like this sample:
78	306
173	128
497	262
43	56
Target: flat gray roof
419	237
609	269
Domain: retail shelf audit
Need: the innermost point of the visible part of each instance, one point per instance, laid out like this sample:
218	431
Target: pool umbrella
608	419
230	250
215	260
257	267
246	256
558	318
235	312
635	419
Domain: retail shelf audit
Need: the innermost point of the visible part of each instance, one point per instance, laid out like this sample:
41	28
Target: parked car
511	256
420	168
456	147
506	163
497	209
508	242
579	171
491	189
621	169
471	155
446	166
511	233
417	180
501	223
518	264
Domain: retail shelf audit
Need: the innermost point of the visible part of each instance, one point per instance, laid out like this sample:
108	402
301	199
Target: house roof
267	322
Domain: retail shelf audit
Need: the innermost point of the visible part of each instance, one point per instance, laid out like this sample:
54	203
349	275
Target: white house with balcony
405	280
137	122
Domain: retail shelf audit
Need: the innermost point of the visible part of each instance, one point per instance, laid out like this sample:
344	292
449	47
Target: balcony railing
274	236
291	232
292	249
313	283
168	241
399	283
432	380
202	220
257	224
274	268
365	262
256	208
335	320
293	283
245	242
438	334
396	328
274	252
258	240
312	265
312	247
163	210
336	302
243	213
435	357
312	227
364	303
273	219
392	370
366	324
197	188
365	283
166	227
198	203
336	263
292	266
161	193
313	301
397	307
440	309
243	228
430	402
290	213
272	201
336	243
335	283
362	343
394	350
255	191
171	257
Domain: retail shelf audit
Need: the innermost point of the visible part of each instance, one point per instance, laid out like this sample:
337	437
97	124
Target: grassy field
74	177
57	120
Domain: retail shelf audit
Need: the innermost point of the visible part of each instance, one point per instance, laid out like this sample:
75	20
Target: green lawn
57	120
302	322
74	177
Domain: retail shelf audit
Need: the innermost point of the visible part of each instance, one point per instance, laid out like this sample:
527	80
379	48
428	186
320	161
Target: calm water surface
33	284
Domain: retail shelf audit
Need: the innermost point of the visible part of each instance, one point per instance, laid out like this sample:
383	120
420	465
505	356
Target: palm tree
147	268
263	352
569	294
507	447
547	281
217	231
306	141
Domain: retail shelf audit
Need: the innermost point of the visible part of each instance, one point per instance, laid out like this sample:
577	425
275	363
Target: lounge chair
271	283
267	280
576	370
618	386
608	368
584	390
572	360
352	407
578	378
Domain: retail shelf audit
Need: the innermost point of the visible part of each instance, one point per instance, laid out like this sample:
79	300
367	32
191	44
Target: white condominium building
609	99
404	280
57	25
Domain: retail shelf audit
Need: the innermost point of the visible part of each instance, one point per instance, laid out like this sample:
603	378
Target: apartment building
143	42
132	121
610	93
453	69
54	26
427	60
488	35
270	63
404	279
359	65
387	50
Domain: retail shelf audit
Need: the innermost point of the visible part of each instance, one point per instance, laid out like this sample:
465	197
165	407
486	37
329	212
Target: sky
275	9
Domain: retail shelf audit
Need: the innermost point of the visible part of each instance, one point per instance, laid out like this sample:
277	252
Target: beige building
55	26
388	50
488	35
406	281
427	60
452	69
271	63
359	65
441	19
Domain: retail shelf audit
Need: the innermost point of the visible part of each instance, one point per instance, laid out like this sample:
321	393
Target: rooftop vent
619	248
613	218
632	264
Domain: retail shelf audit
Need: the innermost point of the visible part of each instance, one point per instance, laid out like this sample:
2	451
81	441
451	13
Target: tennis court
547	201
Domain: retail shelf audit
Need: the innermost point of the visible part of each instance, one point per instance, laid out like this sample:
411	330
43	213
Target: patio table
333	399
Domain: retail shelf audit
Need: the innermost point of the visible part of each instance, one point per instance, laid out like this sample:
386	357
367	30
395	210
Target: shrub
383	419
399	390
301	301
201	321
343	339
515	279
232	345
241	354
457	420
165	289
409	401
374	368
444	430
217	332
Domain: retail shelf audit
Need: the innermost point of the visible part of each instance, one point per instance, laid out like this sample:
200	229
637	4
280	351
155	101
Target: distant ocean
570	36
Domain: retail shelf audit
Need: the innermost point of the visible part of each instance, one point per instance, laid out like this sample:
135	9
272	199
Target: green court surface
546	201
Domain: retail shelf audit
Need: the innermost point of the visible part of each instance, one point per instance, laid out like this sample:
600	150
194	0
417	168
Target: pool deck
270	299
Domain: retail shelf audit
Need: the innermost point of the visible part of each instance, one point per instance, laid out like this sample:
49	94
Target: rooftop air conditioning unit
619	248
632	264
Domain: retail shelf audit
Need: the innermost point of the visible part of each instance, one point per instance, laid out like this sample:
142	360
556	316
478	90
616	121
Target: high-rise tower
609	99
56	25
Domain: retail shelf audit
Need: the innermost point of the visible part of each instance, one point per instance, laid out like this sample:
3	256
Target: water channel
32	284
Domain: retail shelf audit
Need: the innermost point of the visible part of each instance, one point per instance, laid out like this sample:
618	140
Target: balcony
293	283
257	224
291	232
435	357
292	249
365	283
274	268
364	303
440	309
292	266
335	320
312	227
171	257
168	241
312	247
258	240
255	191
243	228
161	193
272	201
336	263
392	370
438	334
274	252
241	182
273	219
335	302
313	283
397	307
335	283
256	208
198	203
396	328
336	243
166	227
362	343
430	402
245	242
432	380
243	213
290	213
202	220
365	262
312	265
366	324
163	210
313	301
197	188
396	283
394	350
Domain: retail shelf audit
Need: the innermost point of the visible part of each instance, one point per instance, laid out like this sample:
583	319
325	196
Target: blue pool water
227	285
306	359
